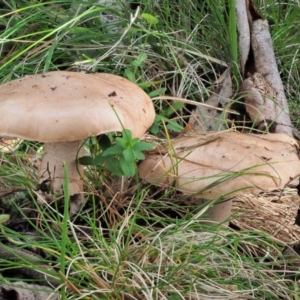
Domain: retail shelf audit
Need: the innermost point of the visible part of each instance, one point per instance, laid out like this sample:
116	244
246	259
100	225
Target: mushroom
221	164
62	108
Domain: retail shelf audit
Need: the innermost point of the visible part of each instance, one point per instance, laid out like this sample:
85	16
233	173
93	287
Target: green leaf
113	165
114	150
142	57
128	168
128	155
4	218
139	155
127	134
174	107
85	160
177	105
159	118
140	60
100	159
129	75
154	129
136	63
145	85
174	126
133	142
141	146
151	20
122	142
157	92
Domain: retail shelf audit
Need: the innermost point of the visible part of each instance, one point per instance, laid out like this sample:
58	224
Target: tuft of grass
182	260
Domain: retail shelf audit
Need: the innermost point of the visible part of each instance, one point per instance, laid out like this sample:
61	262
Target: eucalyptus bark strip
243	33
266	65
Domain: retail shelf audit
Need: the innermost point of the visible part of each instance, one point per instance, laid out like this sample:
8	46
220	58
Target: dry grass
273	213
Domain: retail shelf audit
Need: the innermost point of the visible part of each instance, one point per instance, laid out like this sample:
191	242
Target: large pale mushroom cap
68	106
210	165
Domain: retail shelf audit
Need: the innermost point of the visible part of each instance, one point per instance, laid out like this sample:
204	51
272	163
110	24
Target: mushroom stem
51	171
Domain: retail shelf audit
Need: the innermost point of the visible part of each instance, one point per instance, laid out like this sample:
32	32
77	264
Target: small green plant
161	121
135	68
138	62
121	157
